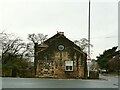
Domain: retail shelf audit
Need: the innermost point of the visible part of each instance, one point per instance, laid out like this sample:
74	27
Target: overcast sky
24	17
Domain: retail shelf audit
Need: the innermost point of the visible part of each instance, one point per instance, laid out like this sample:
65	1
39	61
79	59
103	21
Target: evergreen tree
105	57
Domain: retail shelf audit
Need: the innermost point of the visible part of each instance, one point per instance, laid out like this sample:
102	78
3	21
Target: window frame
68	64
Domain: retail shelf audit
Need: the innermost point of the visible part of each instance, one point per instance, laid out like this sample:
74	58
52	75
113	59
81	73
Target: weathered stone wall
45	68
56	68
51	61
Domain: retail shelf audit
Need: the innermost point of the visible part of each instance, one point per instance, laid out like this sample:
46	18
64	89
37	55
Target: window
61	47
68	65
69	68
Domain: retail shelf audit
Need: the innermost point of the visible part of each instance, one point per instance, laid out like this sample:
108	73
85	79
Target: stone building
59	57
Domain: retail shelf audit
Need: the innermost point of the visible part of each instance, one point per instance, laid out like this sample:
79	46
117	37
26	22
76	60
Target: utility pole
89	31
88	41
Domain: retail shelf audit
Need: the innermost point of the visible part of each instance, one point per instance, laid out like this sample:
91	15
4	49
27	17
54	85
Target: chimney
61	33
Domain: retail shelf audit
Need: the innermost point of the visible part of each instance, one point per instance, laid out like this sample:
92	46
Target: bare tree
39	38
13	53
36	39
83	43
11	44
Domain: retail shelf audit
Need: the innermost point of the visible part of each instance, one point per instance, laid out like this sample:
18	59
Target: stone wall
56	68
51	60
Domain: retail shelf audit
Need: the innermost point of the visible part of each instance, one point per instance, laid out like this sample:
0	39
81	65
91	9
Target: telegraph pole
89	31
88	40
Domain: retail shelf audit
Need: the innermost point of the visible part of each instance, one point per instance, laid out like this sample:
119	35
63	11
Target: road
104	82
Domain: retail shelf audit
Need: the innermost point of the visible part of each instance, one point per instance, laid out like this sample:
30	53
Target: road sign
89	58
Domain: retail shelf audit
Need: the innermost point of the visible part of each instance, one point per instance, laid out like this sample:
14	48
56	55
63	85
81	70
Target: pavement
105	81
